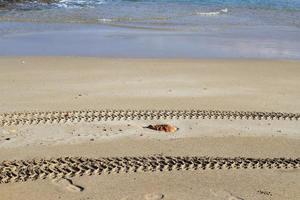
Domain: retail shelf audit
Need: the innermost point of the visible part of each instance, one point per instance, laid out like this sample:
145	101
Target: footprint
222	194
154	196
67	184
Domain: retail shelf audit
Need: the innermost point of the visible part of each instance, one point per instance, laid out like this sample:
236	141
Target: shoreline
25	38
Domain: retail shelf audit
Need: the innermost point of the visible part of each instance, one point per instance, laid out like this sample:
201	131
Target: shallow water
242	21
183	15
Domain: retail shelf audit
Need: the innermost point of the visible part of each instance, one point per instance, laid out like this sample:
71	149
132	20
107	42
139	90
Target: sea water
184	15
270	26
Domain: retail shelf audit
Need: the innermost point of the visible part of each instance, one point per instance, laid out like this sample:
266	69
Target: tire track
67	167
53	117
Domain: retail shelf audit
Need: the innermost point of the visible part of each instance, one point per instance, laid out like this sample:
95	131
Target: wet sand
222	41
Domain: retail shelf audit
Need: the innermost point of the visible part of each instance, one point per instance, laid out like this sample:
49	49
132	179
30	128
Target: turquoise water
184	15
266	4
151	28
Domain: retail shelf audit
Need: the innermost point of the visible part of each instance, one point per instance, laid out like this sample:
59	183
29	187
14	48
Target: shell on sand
163	127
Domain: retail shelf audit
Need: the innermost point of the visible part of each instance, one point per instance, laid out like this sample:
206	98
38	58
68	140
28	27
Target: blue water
266	4
217	28
172	14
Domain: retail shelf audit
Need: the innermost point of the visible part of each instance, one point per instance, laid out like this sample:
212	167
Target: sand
89	83
213	39
43	84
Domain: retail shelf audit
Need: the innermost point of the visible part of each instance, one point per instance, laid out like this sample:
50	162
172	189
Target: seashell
163	127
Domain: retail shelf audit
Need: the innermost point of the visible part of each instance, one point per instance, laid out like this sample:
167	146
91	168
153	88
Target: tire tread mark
24	170
75	116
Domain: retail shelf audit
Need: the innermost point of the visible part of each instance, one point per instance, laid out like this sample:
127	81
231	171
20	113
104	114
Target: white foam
79	3
104	20
215	13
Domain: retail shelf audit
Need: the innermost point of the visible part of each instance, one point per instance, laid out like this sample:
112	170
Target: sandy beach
237	138
149	99
70	83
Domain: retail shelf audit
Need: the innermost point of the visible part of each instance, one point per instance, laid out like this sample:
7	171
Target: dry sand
61	84
81	83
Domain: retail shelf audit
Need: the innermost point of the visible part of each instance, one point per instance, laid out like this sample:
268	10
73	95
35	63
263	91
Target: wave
44	4
215	13
79	3
159	18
